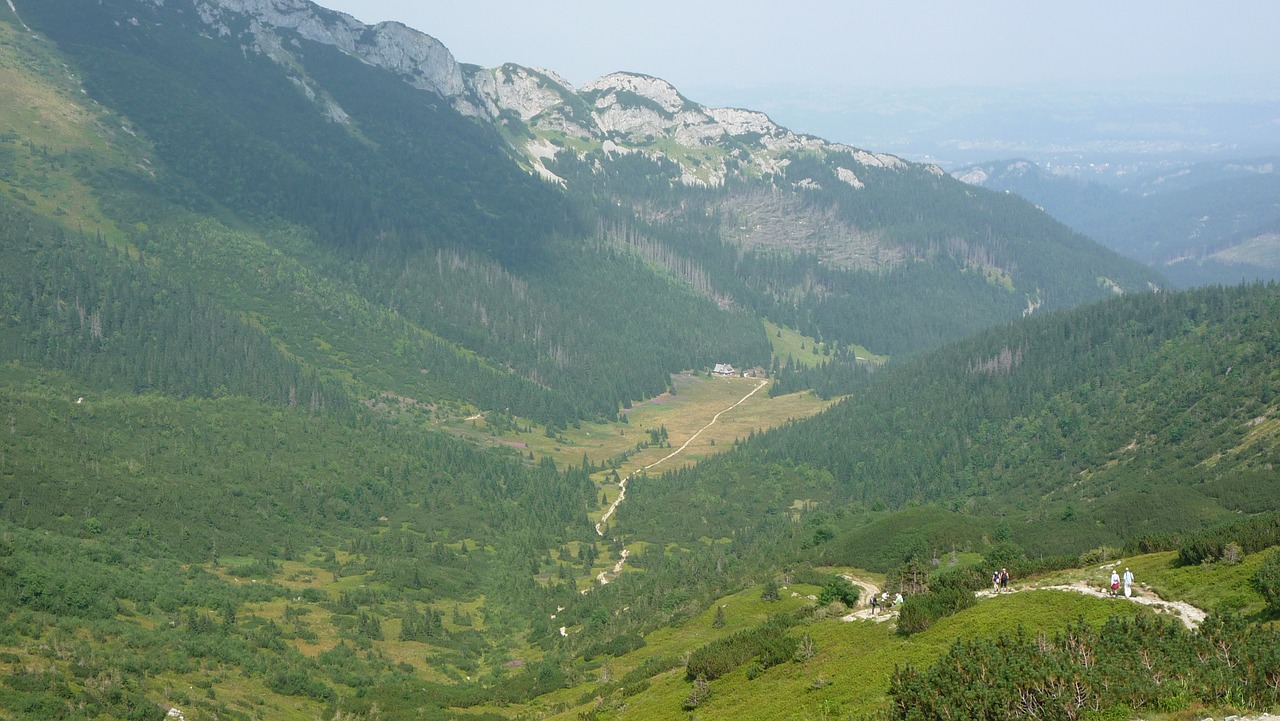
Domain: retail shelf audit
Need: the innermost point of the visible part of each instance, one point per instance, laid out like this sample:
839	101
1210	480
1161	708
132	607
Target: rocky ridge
539	111
629	112
421	59
553	127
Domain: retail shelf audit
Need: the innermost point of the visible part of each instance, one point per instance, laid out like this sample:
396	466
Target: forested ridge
1204	222
972	259
426	213
1069	421
451	235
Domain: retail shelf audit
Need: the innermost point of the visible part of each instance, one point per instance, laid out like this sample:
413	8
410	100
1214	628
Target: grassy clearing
788	343
741	610
695	401
48	137
850	672
238	693
1213	587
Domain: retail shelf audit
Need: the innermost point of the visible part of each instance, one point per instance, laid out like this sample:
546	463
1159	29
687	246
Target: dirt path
1190	616
868	589
605	576
863	609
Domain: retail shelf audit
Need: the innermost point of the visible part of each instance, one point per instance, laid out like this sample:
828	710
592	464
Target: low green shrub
767	644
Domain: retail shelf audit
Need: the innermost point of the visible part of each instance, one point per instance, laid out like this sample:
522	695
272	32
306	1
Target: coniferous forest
259	297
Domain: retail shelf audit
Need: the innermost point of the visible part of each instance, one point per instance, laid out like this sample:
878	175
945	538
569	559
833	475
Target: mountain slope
449	235
838	239
862	235
1063	425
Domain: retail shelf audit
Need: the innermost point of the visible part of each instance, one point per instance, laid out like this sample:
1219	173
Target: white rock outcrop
848	176
659	91
618	113
424	61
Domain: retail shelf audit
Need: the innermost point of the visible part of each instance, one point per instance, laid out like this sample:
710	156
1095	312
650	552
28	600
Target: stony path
1190	616
863	611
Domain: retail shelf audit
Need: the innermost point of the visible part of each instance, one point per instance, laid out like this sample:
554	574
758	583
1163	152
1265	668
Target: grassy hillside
450	239
847	668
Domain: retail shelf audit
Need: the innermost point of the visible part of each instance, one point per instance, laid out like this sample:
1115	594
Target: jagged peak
529	92
306	18
740	121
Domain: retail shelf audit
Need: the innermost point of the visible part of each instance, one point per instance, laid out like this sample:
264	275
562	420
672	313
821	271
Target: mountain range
310	336
1198	223
462	201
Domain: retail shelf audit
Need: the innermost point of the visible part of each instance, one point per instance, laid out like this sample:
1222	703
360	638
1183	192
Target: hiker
875	604
1115	583
897	599
1128	581
1004	579
995	580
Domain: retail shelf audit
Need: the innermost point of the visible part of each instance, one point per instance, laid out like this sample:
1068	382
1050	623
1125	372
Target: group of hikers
1000	582
882	601
1115	583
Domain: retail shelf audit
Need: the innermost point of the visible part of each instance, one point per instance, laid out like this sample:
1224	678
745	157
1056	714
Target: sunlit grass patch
1219	586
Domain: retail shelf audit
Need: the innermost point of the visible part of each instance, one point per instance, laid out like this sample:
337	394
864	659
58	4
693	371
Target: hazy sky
1229	46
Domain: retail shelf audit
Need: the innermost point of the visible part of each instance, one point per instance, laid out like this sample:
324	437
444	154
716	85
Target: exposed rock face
421	59
849	177
528	92
618	113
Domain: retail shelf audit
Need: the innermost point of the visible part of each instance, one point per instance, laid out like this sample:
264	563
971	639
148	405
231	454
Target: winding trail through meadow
605	576
1189	615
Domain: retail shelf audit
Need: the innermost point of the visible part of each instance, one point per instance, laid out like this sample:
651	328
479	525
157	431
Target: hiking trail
1189	615
605	576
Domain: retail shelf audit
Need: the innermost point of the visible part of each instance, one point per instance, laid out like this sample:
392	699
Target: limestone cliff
540	112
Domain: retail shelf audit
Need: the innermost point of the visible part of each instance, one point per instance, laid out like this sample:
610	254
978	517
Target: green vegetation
450	241
764	646
247	342
1224	588
1067	422
1267	582
1232	538
1127	665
